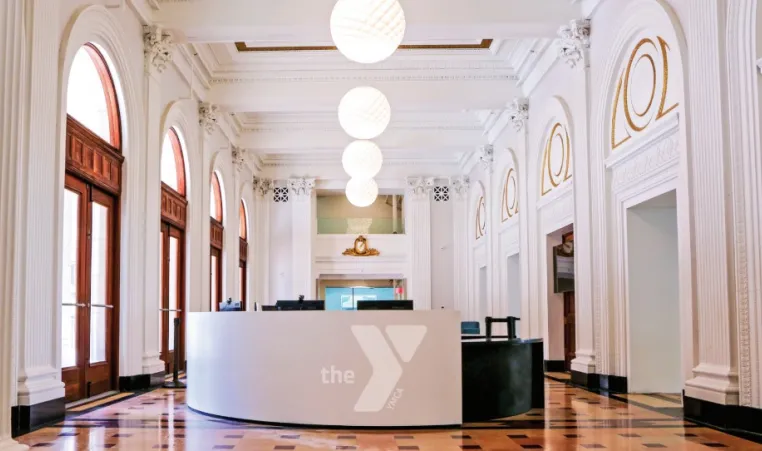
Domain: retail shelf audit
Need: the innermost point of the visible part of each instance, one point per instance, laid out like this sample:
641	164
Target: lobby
176	173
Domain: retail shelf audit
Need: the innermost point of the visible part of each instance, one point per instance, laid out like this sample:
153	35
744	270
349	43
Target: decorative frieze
207	116
518	112
301	186
157	48
573	42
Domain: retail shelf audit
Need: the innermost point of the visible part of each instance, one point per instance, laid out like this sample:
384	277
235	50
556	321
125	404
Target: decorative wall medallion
361	249
481	218
510	204
644	91
556	161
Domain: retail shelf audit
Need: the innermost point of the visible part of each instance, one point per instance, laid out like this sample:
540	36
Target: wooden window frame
177	150
109	89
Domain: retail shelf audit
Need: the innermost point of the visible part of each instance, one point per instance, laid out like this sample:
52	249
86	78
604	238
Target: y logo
387	371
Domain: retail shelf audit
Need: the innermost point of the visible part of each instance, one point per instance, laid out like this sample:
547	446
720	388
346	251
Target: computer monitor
300	305
384	305
269	308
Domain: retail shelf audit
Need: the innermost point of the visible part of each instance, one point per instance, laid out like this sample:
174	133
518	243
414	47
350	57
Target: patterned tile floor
573	419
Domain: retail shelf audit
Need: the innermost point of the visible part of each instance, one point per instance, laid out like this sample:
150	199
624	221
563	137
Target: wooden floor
573	419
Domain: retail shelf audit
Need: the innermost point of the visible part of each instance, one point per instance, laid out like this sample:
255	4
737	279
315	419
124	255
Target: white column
745	136
39	229
202	215
13	73
459	196
418	231
525	212
716	373
232	237
303	230
156	48
584	360
259	254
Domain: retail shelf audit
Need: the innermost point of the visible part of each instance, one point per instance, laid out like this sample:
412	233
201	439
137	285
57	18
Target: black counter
501	377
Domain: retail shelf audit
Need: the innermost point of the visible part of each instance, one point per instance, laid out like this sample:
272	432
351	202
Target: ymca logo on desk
387	370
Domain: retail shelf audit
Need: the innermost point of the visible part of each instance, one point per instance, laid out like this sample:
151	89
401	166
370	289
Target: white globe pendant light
364	112
362	159
367	31
361	192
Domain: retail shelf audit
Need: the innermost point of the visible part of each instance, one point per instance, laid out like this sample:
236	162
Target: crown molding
366	77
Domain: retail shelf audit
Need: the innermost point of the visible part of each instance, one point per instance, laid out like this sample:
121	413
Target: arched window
243	250
92	188
217	232
172	162
95	109
174	209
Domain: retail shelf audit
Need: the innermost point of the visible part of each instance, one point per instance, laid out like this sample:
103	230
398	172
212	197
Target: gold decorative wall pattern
644	92
556	160
510	204
481	218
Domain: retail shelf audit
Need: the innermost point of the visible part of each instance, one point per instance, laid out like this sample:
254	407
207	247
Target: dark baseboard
616	384
587	380
141	381
555	366
25	419
738	420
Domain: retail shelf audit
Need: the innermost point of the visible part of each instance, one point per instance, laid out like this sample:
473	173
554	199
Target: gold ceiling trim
485	44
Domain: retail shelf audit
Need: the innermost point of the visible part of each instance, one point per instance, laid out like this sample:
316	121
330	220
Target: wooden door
215	287
89	327
570	345
172	292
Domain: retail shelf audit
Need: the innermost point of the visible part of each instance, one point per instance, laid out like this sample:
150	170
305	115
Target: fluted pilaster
261	233
418	230
715	376
13	73
459	194
304	228
41	181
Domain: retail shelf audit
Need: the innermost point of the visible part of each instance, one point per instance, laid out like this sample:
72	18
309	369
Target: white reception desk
324	368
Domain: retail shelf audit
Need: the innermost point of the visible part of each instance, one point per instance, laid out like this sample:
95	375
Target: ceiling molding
485	44
366	78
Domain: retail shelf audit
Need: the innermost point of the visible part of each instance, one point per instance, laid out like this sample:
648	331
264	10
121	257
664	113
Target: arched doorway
93	183
216	233
173	220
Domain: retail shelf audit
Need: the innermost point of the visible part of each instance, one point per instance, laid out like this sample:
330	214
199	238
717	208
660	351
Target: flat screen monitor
230	306
384	305
269	308
300	305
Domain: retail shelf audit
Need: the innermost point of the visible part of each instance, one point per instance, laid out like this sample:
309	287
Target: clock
361	249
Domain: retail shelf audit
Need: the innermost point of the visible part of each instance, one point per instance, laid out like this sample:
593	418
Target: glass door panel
69	278
99	283
173	291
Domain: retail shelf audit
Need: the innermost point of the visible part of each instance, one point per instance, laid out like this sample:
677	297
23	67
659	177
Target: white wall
513	285
653	300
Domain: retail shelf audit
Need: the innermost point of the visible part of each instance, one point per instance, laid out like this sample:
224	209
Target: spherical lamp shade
362	160
367	31
362	192
364	112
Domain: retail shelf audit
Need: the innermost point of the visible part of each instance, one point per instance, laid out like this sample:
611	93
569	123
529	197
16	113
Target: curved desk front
323	368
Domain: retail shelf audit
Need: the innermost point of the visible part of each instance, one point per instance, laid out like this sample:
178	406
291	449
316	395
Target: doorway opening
343	294
653	297
562	323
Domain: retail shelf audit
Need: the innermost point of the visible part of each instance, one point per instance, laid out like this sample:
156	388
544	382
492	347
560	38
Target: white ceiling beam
334	141
311	96
297	20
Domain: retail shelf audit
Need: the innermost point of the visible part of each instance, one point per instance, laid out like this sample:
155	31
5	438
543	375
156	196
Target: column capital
460	186
157	48
207	116
261	186
239	158
487	156
420	187
573	42
518	112
301	186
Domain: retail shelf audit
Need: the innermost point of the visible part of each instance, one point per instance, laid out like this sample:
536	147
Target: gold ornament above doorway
361	249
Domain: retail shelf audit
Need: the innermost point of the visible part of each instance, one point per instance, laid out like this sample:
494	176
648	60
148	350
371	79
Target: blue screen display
346	298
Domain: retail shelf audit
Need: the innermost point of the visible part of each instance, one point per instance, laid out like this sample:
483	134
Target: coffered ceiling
271	65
